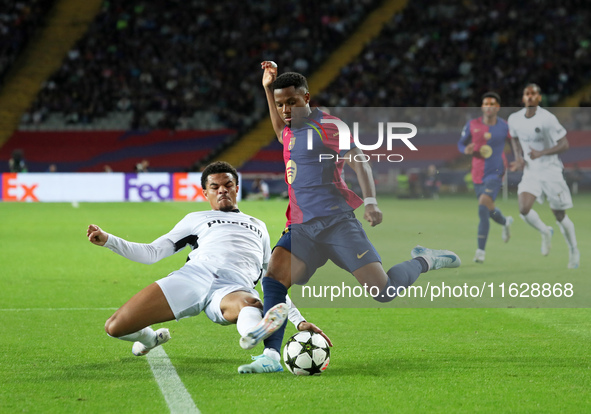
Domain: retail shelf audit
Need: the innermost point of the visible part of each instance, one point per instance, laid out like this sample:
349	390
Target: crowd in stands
180	57
177	57
18	21
448	53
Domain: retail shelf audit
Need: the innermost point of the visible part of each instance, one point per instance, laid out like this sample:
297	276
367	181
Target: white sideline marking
176	395
53	309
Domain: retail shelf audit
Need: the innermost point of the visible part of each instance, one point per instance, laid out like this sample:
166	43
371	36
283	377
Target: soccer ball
306	353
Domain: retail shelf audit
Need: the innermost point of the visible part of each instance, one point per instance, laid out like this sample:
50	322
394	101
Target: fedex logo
13	190
187	187
163	187
147	187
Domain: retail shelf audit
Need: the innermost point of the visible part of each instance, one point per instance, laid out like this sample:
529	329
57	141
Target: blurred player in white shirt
230	250
539	137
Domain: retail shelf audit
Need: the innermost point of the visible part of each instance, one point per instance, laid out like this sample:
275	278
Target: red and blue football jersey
481	134
314	176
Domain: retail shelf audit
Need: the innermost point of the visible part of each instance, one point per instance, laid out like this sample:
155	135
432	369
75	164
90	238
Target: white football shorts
554	189
196	287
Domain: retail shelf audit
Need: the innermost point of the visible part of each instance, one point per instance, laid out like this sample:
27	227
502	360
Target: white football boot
262	364
479	256
574	257
436	259
272	321
162	336
547	241
507	229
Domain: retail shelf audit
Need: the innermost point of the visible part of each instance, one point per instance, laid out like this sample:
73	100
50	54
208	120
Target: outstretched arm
96	235
138	252
365	177
269	76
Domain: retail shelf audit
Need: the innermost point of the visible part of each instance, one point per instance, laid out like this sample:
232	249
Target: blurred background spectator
16	163
259	190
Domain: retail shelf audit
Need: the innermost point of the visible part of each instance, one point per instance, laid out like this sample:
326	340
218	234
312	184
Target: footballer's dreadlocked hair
492	95
217	168
287	79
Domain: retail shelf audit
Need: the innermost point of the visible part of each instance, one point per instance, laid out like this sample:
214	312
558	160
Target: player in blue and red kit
321	223
484	138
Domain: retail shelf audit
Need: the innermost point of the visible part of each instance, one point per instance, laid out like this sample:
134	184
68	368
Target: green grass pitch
58	289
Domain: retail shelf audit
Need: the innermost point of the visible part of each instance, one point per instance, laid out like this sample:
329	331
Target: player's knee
559	214
281	276
112	327
108	327
524	211
254	302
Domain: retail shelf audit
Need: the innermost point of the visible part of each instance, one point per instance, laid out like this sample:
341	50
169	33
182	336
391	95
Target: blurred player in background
539	138
484	139
230	251
320	215
259	190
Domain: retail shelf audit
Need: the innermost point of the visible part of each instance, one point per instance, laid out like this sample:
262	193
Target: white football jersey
539	132
234	243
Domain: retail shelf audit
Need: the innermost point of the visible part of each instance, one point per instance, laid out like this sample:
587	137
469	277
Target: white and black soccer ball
306	353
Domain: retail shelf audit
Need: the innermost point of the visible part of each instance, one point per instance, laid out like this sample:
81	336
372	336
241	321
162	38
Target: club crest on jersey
291	170
487	136
291	142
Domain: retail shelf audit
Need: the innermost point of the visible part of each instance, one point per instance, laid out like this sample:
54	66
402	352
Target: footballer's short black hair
534	86
218	167
492	94
287	79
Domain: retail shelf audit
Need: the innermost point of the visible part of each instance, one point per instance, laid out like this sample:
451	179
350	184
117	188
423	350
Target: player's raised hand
308	326
96	235
270	73
373	214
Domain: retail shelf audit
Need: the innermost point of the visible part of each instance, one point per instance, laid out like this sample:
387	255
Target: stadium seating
189	66
180	57
449	53
18	21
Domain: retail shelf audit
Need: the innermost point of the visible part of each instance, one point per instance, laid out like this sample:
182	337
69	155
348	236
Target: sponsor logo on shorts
359	256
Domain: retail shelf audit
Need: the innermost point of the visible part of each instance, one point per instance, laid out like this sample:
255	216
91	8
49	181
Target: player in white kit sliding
230	252
539	138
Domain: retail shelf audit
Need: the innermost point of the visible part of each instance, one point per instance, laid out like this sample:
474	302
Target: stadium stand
180	66
18	21
448	53
162	62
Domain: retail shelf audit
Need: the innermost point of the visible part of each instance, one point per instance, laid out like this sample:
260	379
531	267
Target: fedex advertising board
101	187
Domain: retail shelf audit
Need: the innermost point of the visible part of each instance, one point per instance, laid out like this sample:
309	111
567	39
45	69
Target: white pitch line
176	395
54	309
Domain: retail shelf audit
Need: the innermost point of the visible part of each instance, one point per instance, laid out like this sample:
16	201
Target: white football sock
567	228
534	220
146	336
248	317
271	353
